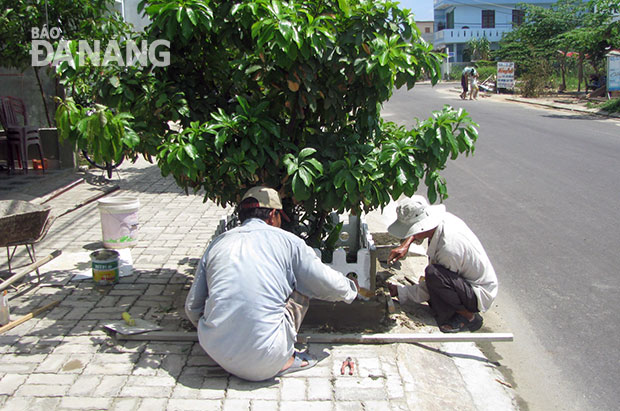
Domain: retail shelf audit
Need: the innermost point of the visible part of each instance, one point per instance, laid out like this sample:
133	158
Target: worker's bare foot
291	361
298	362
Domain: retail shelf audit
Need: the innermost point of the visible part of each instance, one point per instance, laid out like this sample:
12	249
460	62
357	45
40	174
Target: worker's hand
397	253
401	251
357	286
353	277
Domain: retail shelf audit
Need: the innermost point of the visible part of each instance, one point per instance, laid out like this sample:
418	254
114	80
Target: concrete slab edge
481	378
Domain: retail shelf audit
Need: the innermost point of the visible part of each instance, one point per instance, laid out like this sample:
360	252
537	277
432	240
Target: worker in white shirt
252	289
459	281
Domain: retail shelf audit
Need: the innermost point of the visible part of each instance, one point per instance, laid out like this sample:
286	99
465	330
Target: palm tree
479	49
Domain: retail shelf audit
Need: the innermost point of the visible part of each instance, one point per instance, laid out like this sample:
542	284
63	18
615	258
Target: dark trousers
464	83
449	293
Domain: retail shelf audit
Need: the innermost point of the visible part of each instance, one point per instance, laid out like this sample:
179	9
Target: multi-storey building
458	21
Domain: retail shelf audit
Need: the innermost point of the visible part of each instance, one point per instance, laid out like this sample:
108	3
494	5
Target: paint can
105	265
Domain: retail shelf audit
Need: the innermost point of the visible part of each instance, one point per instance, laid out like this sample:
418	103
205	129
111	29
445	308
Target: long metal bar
341	338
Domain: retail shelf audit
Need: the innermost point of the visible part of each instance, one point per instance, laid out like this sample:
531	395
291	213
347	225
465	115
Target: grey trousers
297	306
449	293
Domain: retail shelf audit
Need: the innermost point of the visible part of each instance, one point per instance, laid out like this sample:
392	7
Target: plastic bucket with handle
119	221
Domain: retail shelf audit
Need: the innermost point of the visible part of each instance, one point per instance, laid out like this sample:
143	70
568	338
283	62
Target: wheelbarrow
23	223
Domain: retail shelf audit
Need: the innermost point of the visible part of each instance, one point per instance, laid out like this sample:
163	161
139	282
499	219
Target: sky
423	9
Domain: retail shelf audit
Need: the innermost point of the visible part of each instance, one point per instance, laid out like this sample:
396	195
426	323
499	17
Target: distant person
459	281
252	289
473	85
467	72
465	81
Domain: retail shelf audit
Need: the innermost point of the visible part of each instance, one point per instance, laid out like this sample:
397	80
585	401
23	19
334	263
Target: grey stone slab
293	389
306	405
190	405
125	404
236	405
146	392
152	404
263	390
320	389
354	388
85	385
9	383
51	379
110	386
31	403
40	390
80	403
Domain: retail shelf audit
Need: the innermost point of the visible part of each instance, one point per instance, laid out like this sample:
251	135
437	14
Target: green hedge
613	106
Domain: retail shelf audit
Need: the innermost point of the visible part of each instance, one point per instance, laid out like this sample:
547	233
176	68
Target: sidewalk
63	359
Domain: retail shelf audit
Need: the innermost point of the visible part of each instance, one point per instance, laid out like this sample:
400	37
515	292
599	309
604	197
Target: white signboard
613	73
506	75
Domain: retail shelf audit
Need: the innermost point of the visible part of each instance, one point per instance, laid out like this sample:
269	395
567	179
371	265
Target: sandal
475	323
300	357
456	324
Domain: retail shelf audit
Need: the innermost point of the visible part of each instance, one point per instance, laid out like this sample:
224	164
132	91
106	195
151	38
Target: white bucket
119	221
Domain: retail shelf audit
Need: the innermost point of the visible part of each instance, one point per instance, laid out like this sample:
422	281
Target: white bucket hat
414	215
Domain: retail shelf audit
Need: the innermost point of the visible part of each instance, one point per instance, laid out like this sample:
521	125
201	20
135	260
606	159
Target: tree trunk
563	73
580	72
316	231
47	113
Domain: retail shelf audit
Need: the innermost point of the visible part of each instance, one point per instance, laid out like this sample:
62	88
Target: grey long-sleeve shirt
237	300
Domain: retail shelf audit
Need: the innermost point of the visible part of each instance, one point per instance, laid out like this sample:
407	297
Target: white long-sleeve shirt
237	300
457	248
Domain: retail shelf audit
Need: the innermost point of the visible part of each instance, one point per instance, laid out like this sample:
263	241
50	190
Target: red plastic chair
20	135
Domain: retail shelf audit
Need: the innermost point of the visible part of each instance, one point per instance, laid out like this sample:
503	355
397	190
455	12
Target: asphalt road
542	192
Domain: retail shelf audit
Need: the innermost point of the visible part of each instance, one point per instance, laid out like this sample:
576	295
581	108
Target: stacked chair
19	134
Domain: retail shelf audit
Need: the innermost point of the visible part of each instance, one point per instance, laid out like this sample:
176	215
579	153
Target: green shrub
535	80
613	106
455	71
486	71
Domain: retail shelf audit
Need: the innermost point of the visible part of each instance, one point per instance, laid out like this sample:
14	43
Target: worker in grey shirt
460	280
252	289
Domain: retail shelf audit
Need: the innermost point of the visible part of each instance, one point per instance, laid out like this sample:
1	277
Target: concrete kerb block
354	235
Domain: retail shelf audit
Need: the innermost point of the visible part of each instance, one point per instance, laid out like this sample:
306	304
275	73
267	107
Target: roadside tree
479	49
568	28
282	93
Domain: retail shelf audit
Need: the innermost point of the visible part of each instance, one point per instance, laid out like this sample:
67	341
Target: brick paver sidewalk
64	359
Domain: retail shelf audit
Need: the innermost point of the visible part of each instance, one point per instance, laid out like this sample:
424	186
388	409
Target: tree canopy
282	93
586	29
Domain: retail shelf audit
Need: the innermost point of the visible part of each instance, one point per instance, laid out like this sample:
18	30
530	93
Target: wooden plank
58	192
26	317
28	269
160	336
341	338
104	192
